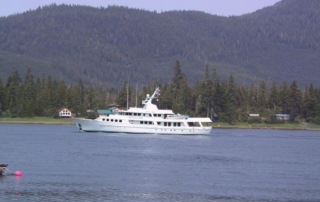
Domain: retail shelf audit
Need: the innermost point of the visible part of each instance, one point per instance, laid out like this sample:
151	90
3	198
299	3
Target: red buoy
18	173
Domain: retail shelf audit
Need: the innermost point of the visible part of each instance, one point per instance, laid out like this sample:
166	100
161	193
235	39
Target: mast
136	93
127	97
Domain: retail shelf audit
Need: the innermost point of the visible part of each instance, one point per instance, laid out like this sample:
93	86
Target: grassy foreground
42	120
285	126
288	126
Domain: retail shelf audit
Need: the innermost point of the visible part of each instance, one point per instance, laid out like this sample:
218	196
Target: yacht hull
88	125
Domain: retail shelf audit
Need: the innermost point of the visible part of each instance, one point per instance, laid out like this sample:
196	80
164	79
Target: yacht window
127	113
116	120
150	115
169	124
146	122
179	124
159	123
130	114
165	123
174	124
107	119
205	123
150	122
135	114
120	120
194	124
139	114
103	119
141	122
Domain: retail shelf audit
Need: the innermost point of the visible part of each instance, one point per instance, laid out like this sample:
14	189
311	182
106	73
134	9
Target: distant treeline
209	97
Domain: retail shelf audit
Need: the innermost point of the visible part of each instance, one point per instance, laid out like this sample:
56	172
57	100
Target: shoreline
267	128
215	125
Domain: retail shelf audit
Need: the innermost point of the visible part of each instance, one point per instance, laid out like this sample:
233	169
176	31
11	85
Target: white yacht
147	119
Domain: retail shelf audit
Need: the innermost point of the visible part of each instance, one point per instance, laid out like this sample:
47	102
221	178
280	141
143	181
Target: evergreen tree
218	95
13	92
273	97
90	98
317	108
195	96
29	95
253	98
61	94
295	101
262	96
309	103
55	101
177	79
40	105
243	102
48	96
2	97
165	98
284	97
199	105
78	99
207	92
231	98
179	86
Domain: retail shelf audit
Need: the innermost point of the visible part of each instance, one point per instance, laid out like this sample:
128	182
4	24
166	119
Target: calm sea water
58	163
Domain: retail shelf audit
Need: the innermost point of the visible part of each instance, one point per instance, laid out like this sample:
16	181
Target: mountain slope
105	46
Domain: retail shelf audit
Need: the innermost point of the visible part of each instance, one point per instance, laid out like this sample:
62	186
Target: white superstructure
148	119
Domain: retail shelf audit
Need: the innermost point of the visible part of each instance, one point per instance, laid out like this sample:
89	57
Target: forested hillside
107	46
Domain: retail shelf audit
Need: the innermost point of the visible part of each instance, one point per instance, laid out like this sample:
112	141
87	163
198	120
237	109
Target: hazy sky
218	7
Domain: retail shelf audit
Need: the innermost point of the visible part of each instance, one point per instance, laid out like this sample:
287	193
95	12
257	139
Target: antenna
136	93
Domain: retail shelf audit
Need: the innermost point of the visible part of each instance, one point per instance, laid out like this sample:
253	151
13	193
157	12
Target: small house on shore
283	117
64	113
254	116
